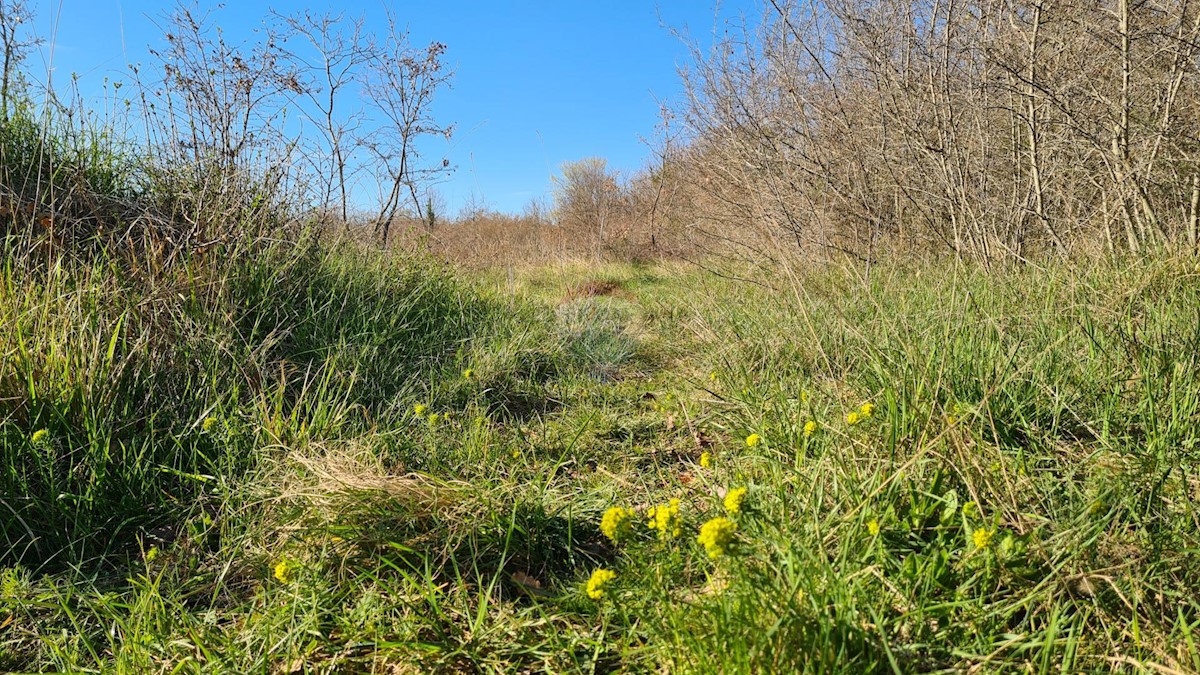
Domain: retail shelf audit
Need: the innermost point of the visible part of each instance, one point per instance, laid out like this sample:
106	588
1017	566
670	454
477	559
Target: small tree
336	52
400	82
586	196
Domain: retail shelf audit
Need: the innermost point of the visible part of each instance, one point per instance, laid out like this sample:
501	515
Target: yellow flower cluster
864	411
595	584
753	440
705	460
285	571
468	373
716	535
734	499
207	425
616	522
39	436
873	527
665	519
982	537
419	409
810	428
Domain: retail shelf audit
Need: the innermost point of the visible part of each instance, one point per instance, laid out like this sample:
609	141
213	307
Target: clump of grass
596	333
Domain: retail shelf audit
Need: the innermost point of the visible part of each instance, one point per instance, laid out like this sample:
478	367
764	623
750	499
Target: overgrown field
310	458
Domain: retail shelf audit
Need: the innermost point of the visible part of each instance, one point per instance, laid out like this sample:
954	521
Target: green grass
1020	499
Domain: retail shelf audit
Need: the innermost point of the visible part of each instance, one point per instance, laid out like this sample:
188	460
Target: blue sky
536	84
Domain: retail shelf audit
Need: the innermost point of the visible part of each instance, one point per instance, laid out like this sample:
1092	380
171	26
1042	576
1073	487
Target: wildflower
803	396
40	436
753	440
516	454
468	373
207	425
595	584
433	419
420	409
982	537
873	527
665	519
853	418
616	522
810	428
866	410
152	554
717	535
706	460
713	376
733	500
285	571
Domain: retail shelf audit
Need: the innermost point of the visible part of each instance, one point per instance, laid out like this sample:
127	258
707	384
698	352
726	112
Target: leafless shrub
990	128
215	121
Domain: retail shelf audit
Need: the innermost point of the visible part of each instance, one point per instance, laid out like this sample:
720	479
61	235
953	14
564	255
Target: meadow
752	409
315	457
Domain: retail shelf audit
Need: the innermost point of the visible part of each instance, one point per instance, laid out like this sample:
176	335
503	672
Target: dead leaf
529	584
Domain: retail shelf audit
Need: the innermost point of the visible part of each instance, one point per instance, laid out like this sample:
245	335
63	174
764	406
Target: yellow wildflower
706	460
810	428
468	373
803	396
753	440
873	527
152	554
717	535
733	500
616	522
208	424
285	571
433	419
713	376
665	519
982	537
595	584
420	409
853	418
867	409
39	436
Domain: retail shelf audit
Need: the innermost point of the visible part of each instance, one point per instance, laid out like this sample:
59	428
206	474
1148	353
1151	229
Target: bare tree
337	50
400	82
14	16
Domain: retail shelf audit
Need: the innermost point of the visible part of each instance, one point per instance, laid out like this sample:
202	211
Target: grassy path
644	469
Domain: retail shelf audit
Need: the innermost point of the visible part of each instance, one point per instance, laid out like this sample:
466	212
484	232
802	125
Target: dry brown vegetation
987	128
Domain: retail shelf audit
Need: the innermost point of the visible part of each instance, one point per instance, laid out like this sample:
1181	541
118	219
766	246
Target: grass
321	460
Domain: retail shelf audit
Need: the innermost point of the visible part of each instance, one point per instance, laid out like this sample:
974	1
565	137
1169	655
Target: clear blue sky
536	84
